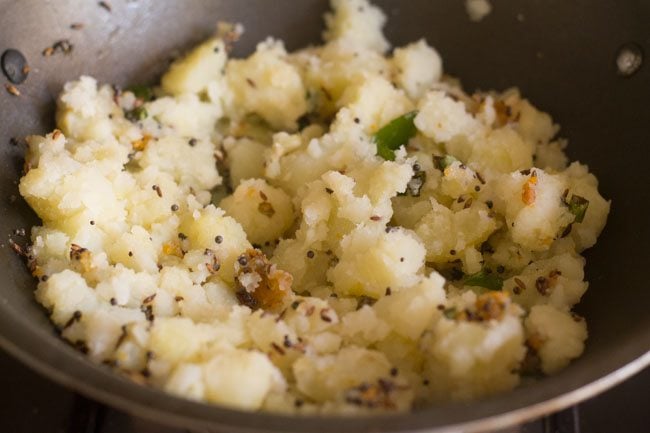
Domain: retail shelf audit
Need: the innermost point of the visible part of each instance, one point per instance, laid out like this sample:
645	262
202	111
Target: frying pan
560	53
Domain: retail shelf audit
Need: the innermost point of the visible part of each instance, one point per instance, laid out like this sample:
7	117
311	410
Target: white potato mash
342	229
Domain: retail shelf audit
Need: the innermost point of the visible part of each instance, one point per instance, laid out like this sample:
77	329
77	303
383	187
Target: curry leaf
144	93
578	206
442	162
484	279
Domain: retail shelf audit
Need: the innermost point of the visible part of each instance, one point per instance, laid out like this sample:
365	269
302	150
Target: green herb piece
484	279
442	162
578	206
144	93
450	313
394	134
136	114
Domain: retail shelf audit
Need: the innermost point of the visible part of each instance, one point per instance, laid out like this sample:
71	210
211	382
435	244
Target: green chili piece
136	114
394	134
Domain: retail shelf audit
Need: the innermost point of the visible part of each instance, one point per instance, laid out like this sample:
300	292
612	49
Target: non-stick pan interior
562	56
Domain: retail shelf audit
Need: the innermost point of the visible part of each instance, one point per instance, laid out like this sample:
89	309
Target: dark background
33	404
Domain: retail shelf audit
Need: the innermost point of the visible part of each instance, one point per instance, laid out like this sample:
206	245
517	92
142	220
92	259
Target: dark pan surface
562	56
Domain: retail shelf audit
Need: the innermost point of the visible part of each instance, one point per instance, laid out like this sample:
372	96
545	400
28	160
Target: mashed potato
247	234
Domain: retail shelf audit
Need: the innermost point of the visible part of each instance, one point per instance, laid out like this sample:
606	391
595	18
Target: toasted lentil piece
12	89
259	283
520	283
213	266
372	395
17	248
62	46
77	252
491	305
266	209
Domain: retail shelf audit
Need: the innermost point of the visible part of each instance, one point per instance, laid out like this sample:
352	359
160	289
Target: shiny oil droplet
629	59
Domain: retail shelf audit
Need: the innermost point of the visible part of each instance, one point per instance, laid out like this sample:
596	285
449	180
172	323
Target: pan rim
145	402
